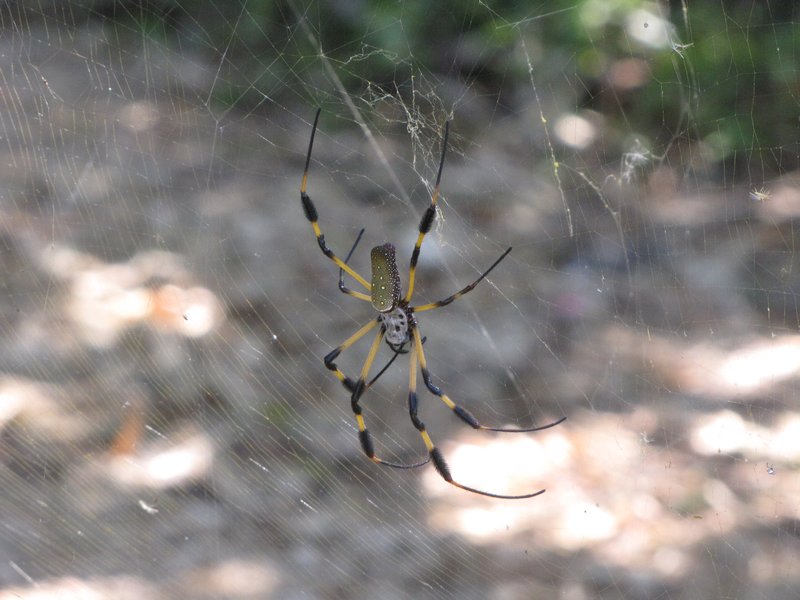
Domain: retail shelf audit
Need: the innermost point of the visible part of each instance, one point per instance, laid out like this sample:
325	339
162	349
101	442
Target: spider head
385	279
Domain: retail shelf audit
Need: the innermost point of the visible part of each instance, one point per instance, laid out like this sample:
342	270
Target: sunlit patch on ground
37	405
757	365
233	579
73	588
105	299
727	432
709	370
613	492
183	459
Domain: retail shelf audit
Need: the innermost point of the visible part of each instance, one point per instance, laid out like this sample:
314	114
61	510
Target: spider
397	324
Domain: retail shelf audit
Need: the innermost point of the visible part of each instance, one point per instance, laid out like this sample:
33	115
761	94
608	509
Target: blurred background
167	426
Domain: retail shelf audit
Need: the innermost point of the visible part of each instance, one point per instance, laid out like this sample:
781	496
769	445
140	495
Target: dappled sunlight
650	29
710	370
616	488
726	432
235	578
760	364
780	202
105	299
750	369
575	130
122	587
41	410
631	502
232	578
184	458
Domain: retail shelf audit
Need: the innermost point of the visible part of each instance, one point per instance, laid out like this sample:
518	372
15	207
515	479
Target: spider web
167	427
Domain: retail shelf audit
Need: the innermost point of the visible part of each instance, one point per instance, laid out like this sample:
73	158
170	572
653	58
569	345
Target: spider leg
389	364
346	290
461	412
311	214
358	390
427	220
333	354
435	454
348	383
464	290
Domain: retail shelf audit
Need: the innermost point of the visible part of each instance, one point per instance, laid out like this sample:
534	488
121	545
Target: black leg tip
467	417
441	465
366	443
308	208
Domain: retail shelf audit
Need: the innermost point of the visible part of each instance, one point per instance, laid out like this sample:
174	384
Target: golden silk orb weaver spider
397	324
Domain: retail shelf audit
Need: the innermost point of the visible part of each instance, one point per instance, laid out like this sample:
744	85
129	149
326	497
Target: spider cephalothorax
397	324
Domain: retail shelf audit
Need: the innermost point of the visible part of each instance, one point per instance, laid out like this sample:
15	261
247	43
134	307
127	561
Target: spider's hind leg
435	454
461	412
359	387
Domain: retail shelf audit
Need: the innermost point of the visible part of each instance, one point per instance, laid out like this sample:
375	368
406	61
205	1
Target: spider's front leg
310	211
427	220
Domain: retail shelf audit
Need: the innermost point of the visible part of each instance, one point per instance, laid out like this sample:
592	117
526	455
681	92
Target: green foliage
746	68
722	72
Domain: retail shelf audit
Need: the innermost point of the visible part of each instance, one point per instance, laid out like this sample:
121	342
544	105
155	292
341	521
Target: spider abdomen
385	279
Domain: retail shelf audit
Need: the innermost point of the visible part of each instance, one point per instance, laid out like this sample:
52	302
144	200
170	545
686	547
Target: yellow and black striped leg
462	291
342	287
385	368
333	354
436	455
461	412
426	222
311	214
348	383
359	388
